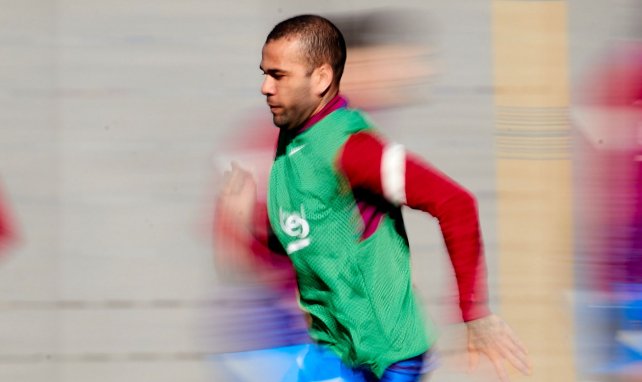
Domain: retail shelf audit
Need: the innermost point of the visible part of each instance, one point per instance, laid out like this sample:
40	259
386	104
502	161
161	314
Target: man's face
288	83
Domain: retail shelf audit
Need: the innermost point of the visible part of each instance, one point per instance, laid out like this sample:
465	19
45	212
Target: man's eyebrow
272	71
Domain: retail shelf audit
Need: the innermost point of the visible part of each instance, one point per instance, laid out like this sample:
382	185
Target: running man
334	198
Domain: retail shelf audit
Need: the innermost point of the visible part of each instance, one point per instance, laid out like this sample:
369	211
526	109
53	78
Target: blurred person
609	176
7	230
261	322
334	205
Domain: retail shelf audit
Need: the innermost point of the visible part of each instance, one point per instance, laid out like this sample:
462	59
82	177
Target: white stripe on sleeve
393	173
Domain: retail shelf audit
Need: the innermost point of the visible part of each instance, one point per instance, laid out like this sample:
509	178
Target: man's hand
238	196
233	225
492	336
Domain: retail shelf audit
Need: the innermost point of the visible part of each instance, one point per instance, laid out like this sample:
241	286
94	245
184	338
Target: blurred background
117	119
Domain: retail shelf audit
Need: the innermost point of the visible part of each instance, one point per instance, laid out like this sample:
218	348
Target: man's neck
327	107
324	101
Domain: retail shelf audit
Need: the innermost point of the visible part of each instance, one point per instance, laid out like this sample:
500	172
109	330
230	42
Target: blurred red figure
7	230
609	194
610	169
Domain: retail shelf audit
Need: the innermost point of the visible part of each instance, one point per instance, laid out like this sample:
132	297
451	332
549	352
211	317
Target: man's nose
267	88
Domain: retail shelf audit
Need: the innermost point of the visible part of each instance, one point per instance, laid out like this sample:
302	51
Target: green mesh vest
357	292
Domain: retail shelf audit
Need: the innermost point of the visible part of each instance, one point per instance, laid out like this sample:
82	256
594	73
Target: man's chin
278	122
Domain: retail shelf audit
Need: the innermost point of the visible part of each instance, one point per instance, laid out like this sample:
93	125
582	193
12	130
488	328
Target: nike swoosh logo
296	150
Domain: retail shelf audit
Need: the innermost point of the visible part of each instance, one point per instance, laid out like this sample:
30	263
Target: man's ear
322	79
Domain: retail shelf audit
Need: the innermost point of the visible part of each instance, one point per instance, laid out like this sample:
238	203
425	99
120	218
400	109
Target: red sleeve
363	160
247	248
262	235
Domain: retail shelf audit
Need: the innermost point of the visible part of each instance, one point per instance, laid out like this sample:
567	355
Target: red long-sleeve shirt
371	163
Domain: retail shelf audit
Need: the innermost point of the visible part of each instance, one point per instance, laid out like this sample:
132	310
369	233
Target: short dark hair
322	42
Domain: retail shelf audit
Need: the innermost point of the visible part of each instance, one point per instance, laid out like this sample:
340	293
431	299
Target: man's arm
245	243
372	163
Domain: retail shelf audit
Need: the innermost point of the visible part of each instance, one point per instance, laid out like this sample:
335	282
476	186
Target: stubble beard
279	121
289	120
283	121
